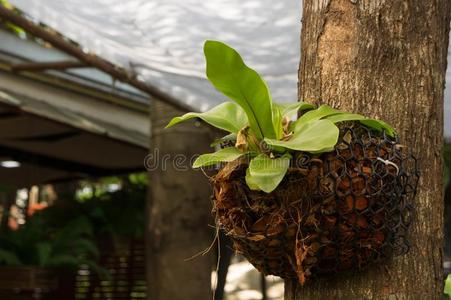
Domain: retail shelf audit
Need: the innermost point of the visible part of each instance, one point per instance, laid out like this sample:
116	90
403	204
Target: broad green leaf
266	173
277	120
313	115
447	289
223	155
250	181
329	113
290	109
230	75
379	126
343	117
227	116
282	110
315	136
371	123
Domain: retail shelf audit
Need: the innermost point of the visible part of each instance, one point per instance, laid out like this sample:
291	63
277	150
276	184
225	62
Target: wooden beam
42	66
79	168
90	59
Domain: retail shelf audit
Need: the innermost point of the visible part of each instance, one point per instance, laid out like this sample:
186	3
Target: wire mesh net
333	212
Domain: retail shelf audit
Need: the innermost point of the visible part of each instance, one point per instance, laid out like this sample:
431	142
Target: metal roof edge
87	80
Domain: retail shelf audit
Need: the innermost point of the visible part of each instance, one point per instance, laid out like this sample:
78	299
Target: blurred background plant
38	244
67	233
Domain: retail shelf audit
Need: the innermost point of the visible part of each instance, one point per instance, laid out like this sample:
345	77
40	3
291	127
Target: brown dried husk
337	211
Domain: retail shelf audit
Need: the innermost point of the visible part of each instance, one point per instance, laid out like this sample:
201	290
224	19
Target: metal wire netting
337	211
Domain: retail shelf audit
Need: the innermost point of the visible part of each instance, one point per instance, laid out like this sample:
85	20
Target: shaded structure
60	121
61	125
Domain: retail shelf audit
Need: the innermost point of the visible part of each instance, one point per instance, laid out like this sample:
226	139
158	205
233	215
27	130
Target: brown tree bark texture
178	214
385	59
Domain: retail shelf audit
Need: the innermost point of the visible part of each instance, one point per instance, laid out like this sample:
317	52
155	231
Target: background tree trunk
178	210
385	59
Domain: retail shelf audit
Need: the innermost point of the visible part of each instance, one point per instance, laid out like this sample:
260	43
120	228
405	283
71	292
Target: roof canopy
42	142
161	40
59	125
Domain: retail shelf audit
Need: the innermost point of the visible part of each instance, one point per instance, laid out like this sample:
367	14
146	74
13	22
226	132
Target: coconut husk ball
336	211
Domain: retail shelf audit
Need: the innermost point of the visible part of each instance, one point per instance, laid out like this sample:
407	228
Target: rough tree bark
177	211
385	59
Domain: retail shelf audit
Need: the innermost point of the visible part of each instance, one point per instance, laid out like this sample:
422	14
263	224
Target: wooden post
178	210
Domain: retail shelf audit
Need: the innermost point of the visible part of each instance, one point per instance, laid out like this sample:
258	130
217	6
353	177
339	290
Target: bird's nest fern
260	128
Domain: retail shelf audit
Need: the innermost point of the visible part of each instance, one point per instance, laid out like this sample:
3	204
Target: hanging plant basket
332	212
328	192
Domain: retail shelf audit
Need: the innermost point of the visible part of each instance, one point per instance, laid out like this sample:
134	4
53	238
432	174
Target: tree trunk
385	59
178	210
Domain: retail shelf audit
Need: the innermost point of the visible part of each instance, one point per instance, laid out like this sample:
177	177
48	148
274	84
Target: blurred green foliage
38	244
66	234
118	211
